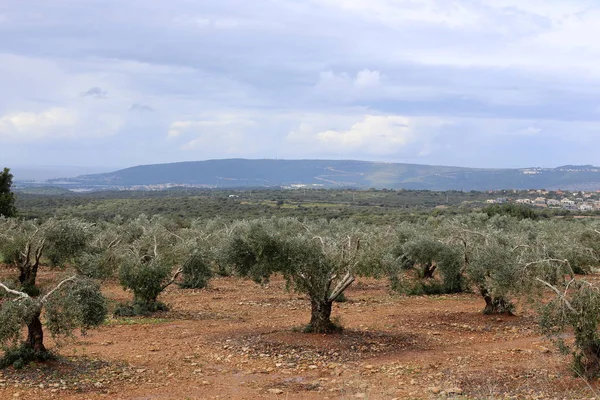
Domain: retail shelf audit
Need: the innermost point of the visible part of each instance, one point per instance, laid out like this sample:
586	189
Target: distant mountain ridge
342	173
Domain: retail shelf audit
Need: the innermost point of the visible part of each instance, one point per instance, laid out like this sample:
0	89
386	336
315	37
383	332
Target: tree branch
341	286
177	236
27	253
50	293
565	261
559	294
114	242
175	275
38	252
21	295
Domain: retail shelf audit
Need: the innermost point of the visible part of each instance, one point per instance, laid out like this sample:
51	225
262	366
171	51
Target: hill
340	173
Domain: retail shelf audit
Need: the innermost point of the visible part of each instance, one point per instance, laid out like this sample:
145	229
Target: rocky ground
238	340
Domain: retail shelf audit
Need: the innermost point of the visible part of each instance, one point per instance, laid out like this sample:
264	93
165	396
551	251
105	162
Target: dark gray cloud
140	107
95	92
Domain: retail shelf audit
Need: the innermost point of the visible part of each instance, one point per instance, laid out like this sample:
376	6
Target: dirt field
237	340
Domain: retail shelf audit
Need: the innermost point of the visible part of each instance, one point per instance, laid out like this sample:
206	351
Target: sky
476	83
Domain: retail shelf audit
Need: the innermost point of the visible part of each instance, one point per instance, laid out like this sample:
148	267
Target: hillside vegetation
342	173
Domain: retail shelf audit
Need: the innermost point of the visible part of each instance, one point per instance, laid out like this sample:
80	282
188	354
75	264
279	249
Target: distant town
575	201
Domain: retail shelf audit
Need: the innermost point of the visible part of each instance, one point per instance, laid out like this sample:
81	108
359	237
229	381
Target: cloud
29	126
95	92
373	135
367	78
140	107
214	122
329	80
380	79
56	124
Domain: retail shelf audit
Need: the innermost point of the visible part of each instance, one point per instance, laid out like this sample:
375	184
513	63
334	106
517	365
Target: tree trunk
587	362
590	362
495	305
27	278
35	335
24	273
320	320
428	271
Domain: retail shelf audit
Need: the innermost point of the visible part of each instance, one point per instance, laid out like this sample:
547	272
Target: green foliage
136	309
20	355
98	264
66	238
74	303
316	258
495	271
450	265
428	258
13	315
14	237
146	279
577	309
518	211
7	197
196	272
78	305
254	250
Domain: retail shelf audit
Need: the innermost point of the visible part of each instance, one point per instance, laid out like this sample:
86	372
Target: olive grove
501	258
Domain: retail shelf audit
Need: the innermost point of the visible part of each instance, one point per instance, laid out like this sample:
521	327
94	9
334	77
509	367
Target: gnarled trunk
320	319
35	335
428	271
495	305
27	278
589	361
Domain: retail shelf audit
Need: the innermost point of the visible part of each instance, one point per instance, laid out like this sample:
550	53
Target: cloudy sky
487	83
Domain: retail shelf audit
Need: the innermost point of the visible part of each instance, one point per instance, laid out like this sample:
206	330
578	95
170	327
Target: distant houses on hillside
579	201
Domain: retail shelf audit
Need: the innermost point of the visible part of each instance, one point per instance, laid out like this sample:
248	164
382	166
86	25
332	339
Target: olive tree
103	253
427	256
24	243
72	303
506	259
154	260
576	307
320	259
495	272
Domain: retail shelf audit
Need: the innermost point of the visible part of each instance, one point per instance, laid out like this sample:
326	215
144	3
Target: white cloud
364	78
205	124
398	12
372	136
56	123
29	126
367	78
343	87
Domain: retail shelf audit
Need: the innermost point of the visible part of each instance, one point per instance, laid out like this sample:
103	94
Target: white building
553	203
523	201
